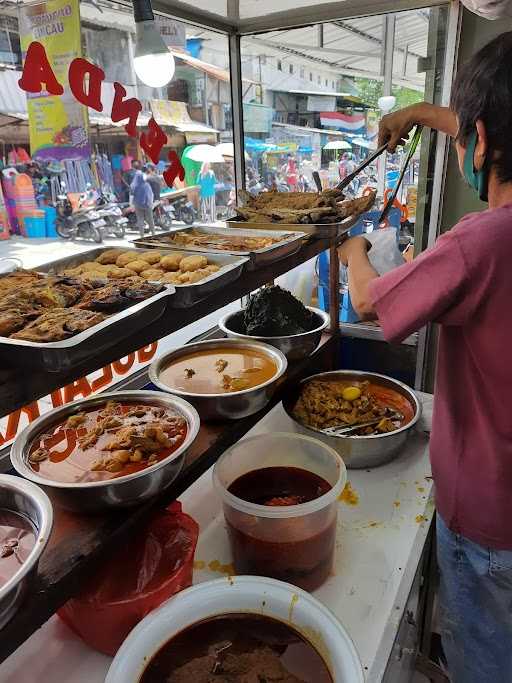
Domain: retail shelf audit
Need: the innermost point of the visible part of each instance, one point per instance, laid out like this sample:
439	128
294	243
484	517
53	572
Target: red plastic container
154	566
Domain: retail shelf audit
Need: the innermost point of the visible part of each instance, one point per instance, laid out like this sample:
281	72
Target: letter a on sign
37	70
125	109
78	70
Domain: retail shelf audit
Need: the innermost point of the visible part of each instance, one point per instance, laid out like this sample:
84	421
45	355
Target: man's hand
354	245
394	128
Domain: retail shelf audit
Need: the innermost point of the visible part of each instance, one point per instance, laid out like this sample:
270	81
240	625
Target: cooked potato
191	263
126	257
171	278
137	266
109	257
151	257
119	273
152	274
171	262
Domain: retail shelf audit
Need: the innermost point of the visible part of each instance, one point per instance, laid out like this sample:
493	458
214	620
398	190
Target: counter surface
380	542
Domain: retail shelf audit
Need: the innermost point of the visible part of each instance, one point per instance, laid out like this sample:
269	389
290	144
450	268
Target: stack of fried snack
293	208
40	308
173	268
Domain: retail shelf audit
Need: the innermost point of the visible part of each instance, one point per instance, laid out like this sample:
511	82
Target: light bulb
155	70
153	62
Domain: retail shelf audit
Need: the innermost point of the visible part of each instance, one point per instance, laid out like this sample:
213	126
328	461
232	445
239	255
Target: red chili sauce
112	440
17	539
299	550
235	648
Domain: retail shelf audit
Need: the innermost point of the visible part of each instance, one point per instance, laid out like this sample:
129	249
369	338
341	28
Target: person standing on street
143	202
464	283
207	192
154	181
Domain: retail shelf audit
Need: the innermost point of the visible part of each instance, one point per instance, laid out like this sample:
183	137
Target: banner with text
58	124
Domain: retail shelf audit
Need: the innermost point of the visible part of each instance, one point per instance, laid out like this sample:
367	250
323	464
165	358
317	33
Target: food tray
59	356
318	230
257	257
183	296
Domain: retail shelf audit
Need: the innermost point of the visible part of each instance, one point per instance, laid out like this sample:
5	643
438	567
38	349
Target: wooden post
334	289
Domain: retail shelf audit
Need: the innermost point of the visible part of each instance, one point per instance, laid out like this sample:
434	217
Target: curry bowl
367	450
253	597
111	451
223	378
26	519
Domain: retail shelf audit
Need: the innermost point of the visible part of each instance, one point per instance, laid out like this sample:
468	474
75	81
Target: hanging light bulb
153	62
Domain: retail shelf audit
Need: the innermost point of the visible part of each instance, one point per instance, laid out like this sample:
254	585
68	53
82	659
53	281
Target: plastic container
50	218
238	595
35	226
293	543
155	565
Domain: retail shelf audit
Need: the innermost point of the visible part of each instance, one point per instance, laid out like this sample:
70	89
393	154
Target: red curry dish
109	441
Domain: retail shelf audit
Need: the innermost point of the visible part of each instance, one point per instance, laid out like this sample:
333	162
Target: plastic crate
34	226
50	217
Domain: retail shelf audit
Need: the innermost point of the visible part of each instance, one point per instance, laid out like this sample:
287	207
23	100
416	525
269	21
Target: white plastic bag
384	254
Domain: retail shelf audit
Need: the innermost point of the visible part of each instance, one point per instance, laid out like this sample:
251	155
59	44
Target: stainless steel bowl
27	499
294	346
132	489
360	452
232	406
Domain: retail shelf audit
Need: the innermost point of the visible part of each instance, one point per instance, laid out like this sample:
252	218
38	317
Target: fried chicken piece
109	257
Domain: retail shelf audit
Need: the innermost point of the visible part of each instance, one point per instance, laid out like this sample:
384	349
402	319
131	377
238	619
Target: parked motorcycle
182	209
112	214
85	223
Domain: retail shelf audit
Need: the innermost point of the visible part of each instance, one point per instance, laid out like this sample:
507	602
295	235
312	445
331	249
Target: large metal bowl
232	406
359	452
132	489
294	346
27	499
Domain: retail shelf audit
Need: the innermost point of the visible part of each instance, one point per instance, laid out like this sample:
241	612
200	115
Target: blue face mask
478	180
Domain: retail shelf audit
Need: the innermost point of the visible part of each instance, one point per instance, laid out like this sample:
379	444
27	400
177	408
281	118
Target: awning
210	69
175	114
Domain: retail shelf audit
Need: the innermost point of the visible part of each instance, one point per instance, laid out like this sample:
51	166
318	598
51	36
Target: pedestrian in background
143	202
206	181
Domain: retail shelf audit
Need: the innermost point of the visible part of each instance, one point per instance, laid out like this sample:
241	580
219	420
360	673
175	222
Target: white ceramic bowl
239	594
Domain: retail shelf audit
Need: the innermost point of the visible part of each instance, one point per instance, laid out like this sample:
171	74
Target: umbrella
205	154
227	149
338	144
367	144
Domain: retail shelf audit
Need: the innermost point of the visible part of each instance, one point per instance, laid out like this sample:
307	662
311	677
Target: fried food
191	263
137	266
152	257
171	262
298	208
109	257
126	257
58	324
152	274
220	241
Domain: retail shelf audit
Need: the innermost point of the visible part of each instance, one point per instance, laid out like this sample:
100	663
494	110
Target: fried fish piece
58	324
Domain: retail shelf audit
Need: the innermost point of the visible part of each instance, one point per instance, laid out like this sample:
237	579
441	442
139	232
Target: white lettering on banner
12	424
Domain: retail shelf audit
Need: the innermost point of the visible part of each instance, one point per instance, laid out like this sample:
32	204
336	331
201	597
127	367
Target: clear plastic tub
293	543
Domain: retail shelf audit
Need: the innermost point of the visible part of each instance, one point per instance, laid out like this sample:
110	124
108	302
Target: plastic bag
135	580
384	254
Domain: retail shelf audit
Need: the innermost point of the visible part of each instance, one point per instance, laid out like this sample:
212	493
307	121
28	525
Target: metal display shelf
78	543
19	387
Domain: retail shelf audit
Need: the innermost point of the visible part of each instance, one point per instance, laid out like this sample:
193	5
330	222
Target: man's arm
394	128
354	255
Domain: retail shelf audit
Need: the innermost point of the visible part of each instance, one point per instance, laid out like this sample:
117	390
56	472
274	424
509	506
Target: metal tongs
412	149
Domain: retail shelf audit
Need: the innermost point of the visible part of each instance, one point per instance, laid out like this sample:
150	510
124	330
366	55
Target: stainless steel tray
231	268
60	356
183	296
318	230
291	243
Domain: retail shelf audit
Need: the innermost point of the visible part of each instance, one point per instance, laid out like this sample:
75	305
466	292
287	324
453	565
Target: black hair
483	90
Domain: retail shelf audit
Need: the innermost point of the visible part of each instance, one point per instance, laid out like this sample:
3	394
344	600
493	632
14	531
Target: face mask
490	9
478	180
